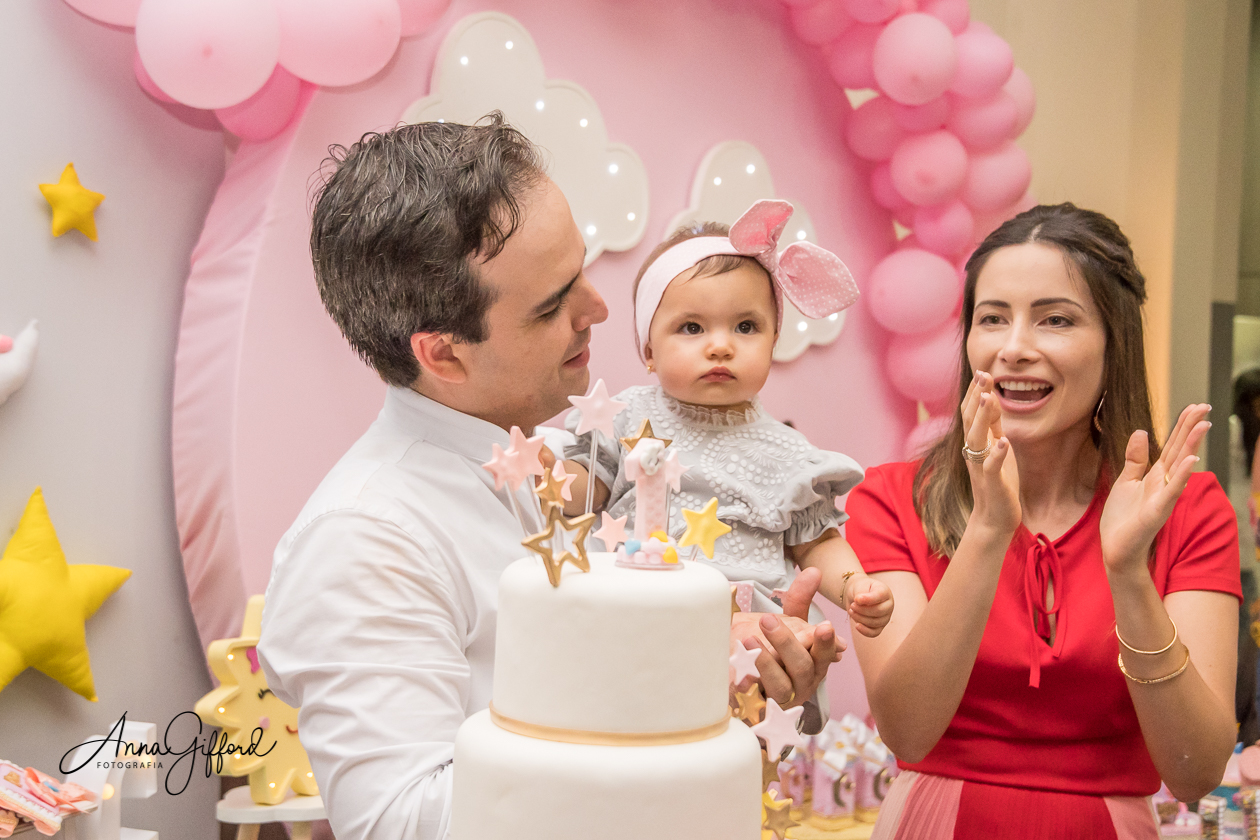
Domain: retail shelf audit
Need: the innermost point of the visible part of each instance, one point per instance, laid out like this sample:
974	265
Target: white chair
237	808
107	775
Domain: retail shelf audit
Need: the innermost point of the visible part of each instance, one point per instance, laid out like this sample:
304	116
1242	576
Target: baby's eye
690	328
746	327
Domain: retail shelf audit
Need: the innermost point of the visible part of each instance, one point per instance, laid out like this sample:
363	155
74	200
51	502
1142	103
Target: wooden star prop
703	528
645	431
776	816
44	602
769	770
73	205
243	703
540	543
750	704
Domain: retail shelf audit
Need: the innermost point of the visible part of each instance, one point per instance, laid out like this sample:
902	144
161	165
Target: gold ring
1165	478
976	456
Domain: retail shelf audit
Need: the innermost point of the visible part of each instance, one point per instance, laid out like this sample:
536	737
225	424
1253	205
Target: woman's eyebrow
1039	302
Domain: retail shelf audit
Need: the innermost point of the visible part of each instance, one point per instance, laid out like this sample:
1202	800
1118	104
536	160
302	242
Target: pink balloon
418	15
883	191
926	117
914	58
796	4
946	229
904	216
872	11
146	81
912	291
821	23
994	179
923	436
1020	87
924	366
116	12
849	58
338	42
955	14
266	113
929	168
870	130
984	124
985	63
208	53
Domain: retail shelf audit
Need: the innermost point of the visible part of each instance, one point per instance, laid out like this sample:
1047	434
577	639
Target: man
453	266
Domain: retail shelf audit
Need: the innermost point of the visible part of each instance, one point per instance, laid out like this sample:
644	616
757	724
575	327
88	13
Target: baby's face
712	337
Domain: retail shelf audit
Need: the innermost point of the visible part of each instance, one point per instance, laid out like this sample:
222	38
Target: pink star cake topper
778	729
612	531
673	471
744	664
559	473
510	466
597	410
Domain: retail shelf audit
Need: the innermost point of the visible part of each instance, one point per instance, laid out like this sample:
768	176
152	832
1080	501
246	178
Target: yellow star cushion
73	205
44	602
261	728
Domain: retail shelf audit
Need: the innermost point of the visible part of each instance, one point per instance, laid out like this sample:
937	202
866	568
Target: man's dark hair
397	224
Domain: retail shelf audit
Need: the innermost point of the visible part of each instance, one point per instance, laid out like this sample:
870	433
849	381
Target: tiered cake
610	716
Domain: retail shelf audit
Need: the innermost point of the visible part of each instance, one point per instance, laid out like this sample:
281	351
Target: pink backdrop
267	393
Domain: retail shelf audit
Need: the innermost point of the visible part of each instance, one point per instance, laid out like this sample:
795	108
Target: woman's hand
1142	499
995	482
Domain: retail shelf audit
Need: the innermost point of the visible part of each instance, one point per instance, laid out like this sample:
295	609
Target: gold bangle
844	588
1164	649
1165	678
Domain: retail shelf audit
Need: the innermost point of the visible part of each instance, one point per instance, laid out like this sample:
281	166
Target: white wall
92	426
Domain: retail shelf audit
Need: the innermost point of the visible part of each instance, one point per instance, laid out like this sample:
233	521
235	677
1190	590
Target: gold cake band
609	739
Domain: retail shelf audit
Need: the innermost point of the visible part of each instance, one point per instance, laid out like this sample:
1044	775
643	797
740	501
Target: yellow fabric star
750	704
73	204
540	543
44	602
645	431
242	705
776	816
703	528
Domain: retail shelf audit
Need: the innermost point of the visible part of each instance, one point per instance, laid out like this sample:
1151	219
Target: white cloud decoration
489	61
731	177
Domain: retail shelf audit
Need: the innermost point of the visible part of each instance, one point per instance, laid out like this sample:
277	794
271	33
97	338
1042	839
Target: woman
1046	526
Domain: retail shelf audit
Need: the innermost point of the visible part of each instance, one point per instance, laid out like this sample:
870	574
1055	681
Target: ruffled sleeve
810	495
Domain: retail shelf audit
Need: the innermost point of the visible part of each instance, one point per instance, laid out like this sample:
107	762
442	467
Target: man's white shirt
380	614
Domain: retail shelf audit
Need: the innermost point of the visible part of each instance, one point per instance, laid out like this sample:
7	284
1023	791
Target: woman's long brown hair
1098	253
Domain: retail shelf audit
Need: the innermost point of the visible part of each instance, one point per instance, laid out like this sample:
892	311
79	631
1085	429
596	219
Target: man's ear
437	357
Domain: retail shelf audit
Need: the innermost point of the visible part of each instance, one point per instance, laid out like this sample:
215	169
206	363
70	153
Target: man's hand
795	655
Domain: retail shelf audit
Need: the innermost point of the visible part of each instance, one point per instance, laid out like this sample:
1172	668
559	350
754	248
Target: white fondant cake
609	716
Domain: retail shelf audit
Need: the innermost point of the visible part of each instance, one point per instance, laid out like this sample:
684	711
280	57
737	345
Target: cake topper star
769	771
744	664
553	560
597	410
645	431
554	489
565	478
778	729
776	815
510	466
673	470
612	531
749	705
73	204
703	528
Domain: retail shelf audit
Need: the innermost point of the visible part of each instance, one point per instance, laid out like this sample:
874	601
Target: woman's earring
1097	411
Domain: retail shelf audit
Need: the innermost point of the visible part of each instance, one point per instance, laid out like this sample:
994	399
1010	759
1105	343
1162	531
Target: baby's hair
707	267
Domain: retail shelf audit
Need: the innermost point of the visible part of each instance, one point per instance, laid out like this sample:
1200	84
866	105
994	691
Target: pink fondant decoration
267	394
612	531
525	451
560	474
674	471
597	410
778	727
744	664
650	486
500	465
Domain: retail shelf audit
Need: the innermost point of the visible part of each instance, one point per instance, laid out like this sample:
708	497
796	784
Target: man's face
539	327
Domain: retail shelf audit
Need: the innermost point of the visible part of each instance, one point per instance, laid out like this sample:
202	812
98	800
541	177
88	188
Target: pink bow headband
813	278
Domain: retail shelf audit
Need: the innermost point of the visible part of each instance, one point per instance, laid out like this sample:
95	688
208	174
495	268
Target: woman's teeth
1024	391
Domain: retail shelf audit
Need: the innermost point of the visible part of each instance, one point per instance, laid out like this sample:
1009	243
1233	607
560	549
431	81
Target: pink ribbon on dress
813	278
1041	568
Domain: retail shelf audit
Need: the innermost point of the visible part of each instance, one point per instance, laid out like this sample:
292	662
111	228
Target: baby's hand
870	605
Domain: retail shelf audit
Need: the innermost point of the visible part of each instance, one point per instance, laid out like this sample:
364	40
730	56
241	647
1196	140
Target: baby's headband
813	278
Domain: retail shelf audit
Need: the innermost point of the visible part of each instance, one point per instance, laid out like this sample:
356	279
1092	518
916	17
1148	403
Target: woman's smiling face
1037	330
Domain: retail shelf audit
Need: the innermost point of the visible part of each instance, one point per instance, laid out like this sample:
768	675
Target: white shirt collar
427	419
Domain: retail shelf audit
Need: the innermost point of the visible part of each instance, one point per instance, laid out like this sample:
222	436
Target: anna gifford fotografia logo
183	741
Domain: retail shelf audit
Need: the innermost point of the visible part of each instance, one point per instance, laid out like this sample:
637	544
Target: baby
708	308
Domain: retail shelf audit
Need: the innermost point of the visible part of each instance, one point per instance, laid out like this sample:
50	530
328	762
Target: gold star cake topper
250	714
44	602
645	431
703	528
553	558
776	816
750	704
73	205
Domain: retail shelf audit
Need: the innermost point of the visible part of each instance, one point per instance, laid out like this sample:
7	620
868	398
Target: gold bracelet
1165	678
1164	649
844	587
